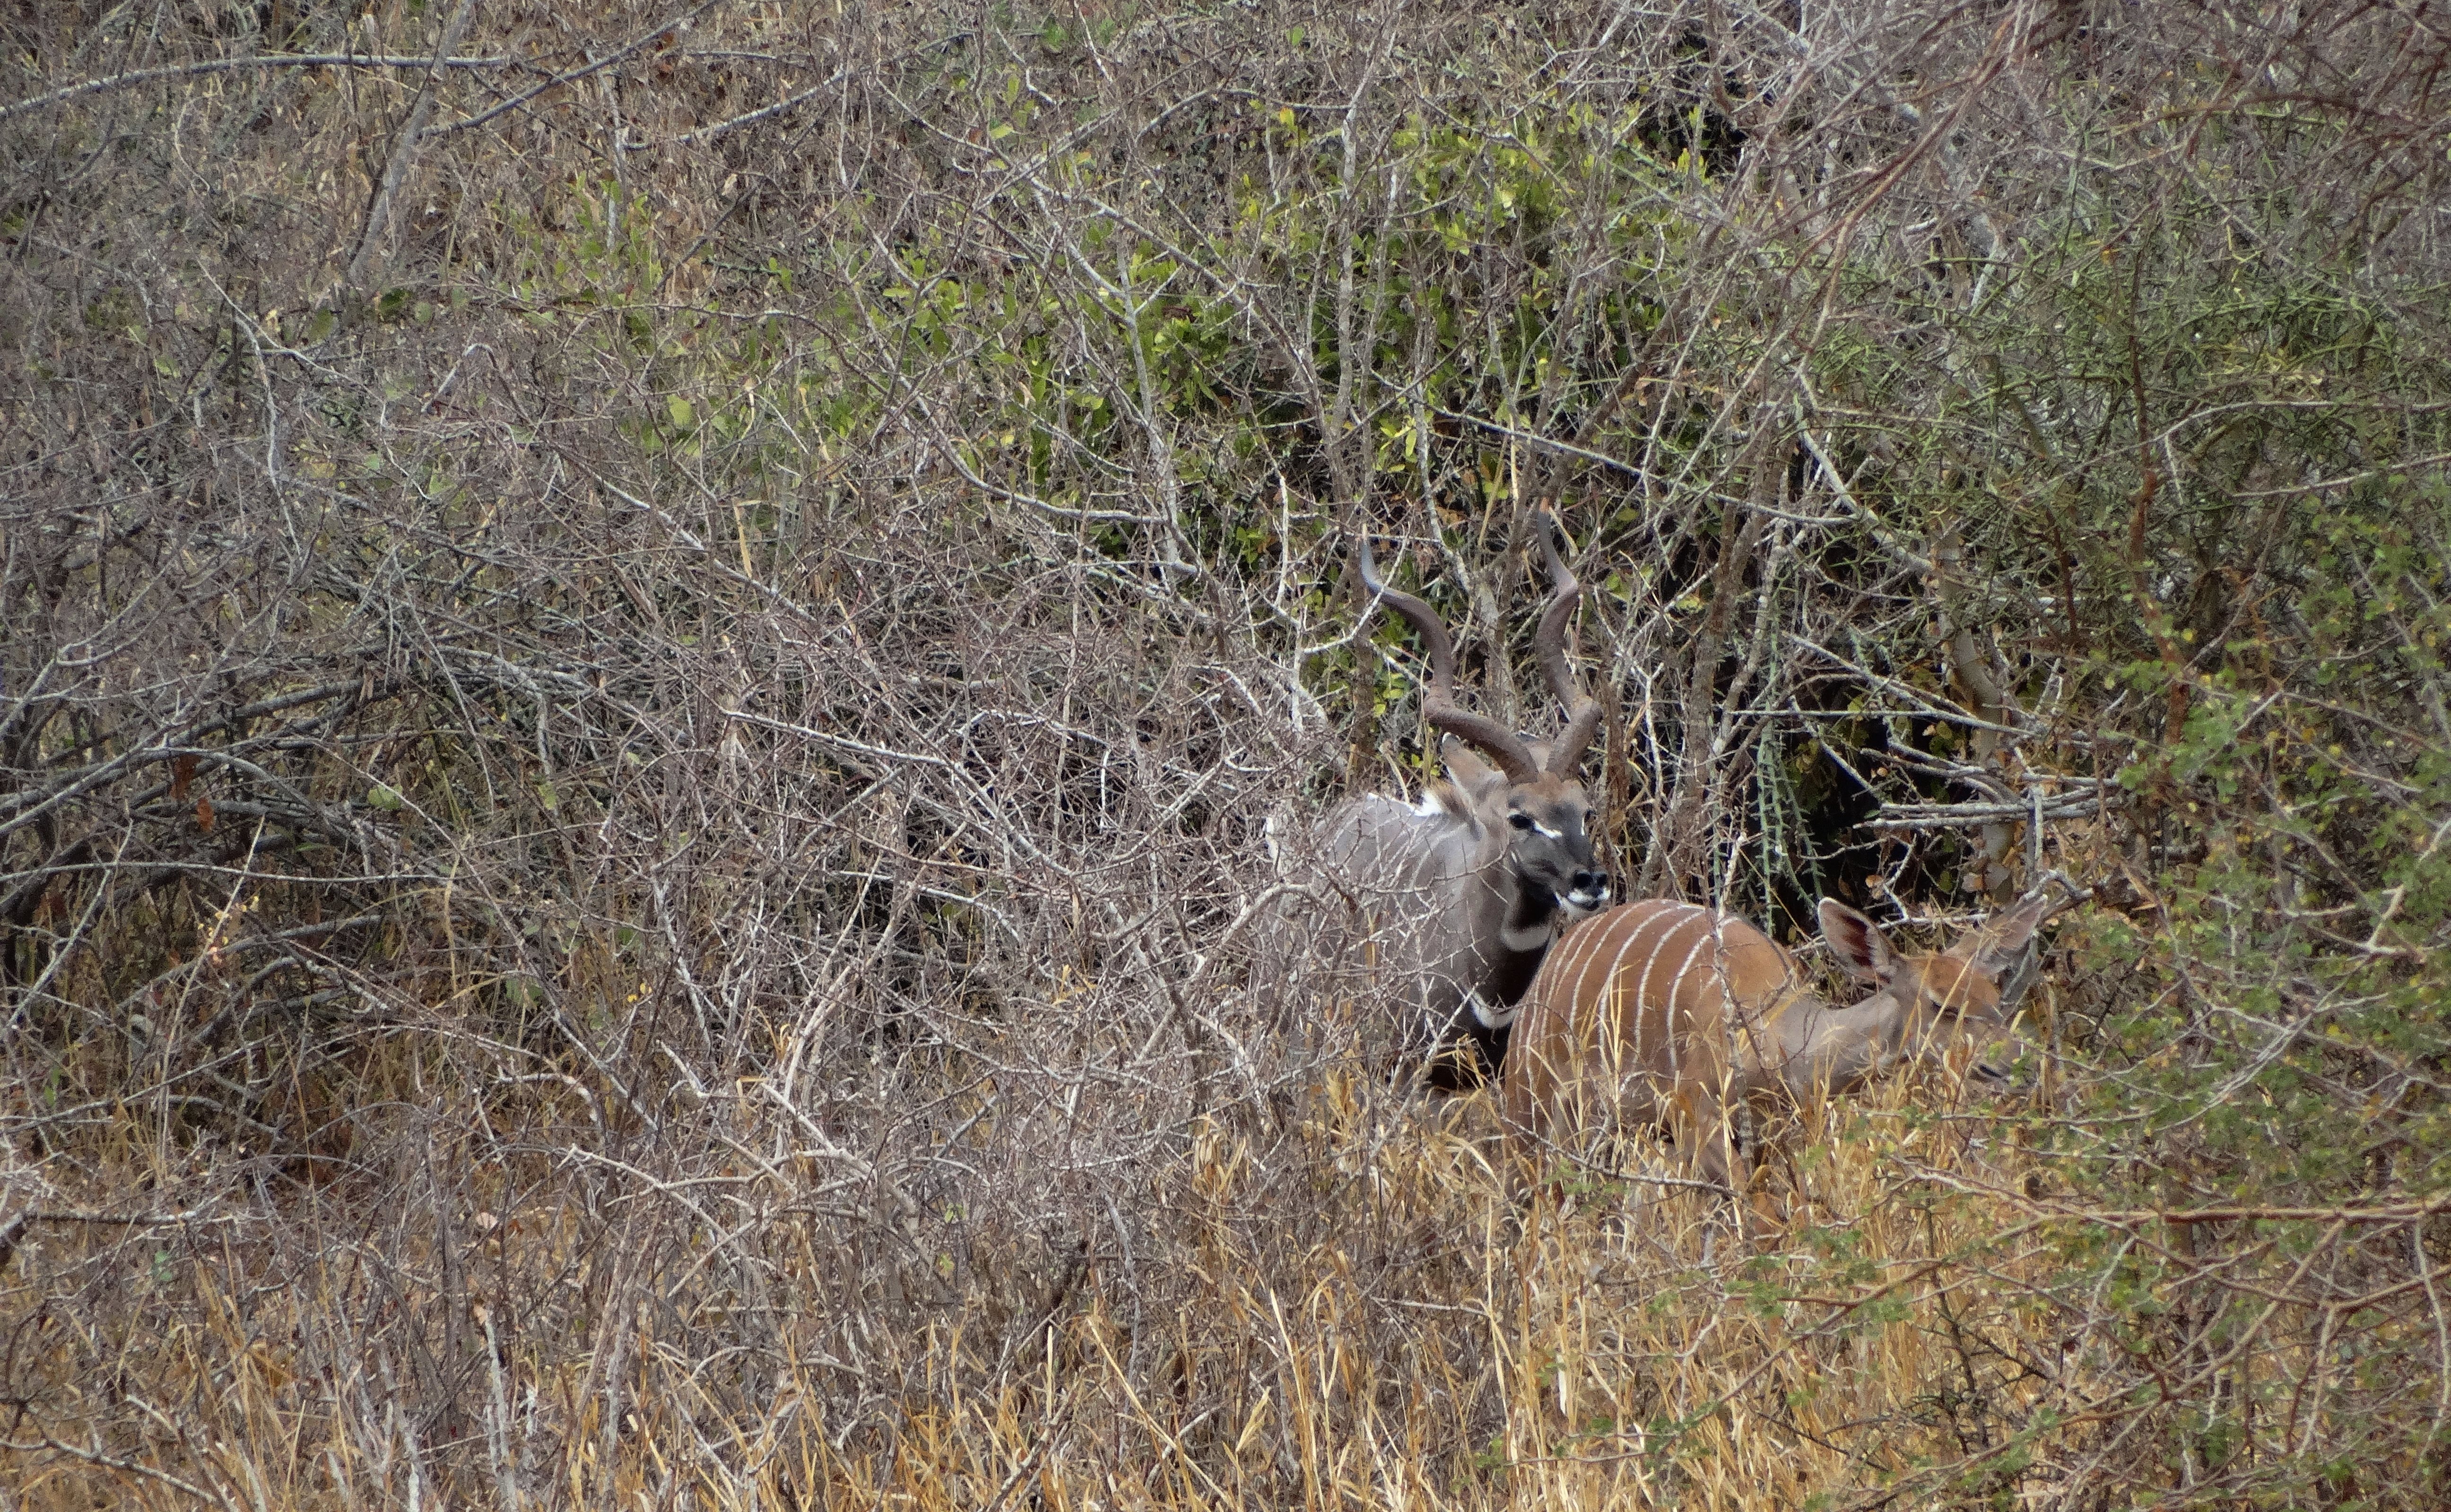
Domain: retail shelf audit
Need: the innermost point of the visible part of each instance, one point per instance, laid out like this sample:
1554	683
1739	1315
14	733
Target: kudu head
1926	1004
1530	786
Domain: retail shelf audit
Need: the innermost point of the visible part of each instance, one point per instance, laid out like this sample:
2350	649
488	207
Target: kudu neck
1533	904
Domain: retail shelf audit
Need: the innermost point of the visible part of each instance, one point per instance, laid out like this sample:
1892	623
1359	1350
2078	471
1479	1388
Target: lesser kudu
1671	1013
1461	893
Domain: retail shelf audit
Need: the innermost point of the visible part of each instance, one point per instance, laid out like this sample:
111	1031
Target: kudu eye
1520	821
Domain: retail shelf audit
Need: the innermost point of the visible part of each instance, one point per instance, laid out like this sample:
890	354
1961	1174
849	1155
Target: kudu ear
1472	776
1996	948
1861	946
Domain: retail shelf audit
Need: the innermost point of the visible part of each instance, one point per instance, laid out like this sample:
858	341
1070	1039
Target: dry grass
1425	1345
1349	1314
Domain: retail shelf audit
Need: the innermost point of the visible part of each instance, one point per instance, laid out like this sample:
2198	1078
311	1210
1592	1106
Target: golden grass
1598	1347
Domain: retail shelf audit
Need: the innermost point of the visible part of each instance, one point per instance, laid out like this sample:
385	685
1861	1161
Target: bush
648	670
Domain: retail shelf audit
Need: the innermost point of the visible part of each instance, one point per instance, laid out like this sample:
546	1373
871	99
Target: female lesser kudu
1667	1013
1461	894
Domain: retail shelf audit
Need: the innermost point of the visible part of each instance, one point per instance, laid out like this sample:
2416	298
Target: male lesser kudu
1461	894
1672	1014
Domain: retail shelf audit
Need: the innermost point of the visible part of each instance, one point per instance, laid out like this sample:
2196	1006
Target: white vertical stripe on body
1576	1000
1609	1000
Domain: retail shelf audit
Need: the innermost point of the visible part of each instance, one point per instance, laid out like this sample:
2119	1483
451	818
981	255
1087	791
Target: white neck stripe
1527	936
1486	1016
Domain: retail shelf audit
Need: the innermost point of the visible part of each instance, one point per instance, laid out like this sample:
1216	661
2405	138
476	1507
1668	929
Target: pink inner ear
1856	940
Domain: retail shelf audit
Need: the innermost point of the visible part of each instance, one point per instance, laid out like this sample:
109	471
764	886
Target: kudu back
1454	900
1668	1014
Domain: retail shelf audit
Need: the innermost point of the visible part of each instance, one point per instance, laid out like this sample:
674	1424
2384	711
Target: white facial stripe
1540	829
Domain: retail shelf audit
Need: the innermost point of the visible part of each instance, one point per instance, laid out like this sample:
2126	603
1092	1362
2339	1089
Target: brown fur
1669	1014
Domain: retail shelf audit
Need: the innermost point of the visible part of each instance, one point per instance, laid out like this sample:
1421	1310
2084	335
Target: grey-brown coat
1457	898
